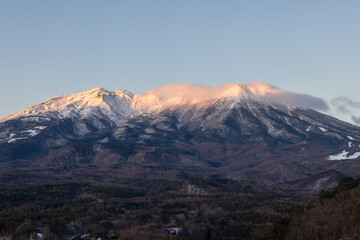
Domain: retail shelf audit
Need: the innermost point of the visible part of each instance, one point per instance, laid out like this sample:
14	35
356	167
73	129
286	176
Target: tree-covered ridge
334	214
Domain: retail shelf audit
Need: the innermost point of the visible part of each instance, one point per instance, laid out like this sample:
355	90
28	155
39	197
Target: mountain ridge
158	99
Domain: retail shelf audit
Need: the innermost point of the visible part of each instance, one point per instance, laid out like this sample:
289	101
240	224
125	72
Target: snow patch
40	236
349	137
349	143
322	129
40	127
15	139
31	132
344	156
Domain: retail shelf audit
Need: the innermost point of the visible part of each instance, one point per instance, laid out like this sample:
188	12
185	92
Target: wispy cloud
193	93
343	101
298	99
346	108
356	120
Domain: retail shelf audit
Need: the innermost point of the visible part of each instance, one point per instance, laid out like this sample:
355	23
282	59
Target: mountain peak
102	91
97	89
81	104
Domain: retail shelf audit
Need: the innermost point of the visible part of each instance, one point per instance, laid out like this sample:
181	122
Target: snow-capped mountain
98	108
118	105
242	131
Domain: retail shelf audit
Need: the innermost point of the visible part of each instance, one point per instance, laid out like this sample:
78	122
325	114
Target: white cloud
198	94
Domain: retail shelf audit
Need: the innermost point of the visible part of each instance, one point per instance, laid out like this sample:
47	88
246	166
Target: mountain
239	131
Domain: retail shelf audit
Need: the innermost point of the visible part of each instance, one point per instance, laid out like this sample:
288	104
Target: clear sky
50	48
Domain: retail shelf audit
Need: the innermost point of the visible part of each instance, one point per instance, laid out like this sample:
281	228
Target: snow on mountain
116	105
344	155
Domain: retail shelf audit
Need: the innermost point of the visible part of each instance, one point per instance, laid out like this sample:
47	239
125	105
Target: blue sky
50	48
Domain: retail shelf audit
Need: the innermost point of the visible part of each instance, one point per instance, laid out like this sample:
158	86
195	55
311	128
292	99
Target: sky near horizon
50	48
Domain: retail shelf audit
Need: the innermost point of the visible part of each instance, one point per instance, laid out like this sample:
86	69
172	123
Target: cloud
198	94
345	102
356	120
343	110
301	100
346	109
